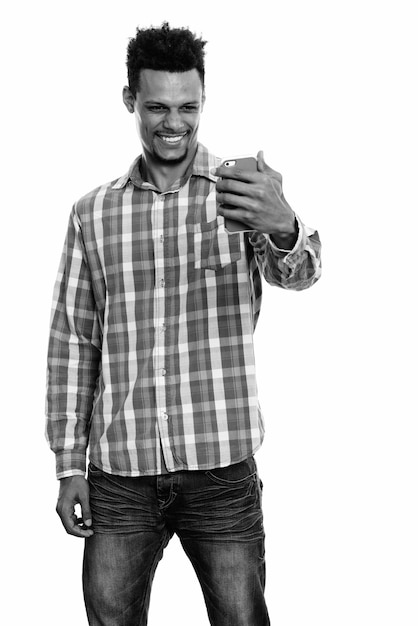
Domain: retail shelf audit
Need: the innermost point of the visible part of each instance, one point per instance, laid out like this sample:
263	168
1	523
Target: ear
203	100
128	99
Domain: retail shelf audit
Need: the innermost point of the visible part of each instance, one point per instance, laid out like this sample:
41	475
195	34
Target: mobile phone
248	163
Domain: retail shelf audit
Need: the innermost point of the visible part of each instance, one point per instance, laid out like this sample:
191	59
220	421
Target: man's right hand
75	490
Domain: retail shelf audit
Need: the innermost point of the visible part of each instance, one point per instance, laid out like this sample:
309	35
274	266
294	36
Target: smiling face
167	111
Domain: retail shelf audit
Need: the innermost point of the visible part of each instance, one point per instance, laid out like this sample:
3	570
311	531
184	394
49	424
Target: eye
190	108
156	108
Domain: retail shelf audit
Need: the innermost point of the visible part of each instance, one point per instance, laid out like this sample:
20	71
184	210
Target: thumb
262	165
85	509
275	177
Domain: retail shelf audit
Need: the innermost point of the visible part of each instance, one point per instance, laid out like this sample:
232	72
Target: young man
150	360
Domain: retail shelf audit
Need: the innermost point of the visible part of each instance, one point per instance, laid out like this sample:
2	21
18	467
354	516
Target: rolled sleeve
298	268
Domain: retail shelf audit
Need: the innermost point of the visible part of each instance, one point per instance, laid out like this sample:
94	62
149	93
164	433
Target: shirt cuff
70	464
69	473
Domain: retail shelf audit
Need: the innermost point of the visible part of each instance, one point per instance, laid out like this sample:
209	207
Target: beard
161	160
159	155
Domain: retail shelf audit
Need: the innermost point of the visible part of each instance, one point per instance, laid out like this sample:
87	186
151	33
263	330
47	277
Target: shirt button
163	328
162	282
161	238
164	416
163	372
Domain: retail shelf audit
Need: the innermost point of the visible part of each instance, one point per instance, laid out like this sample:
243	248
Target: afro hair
166	49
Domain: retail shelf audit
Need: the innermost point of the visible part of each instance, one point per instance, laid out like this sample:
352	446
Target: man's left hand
258	198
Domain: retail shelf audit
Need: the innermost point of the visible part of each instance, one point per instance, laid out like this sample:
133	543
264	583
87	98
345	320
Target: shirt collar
202	164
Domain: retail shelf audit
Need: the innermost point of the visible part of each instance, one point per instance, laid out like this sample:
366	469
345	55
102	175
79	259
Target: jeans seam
153	568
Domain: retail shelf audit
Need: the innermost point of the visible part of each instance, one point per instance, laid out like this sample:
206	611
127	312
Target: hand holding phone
251	198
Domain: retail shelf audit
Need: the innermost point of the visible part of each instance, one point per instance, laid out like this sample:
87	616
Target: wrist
286	239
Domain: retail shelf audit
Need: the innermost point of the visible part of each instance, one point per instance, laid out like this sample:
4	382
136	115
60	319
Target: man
151	361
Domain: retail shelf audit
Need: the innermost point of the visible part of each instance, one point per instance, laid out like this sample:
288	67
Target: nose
173	121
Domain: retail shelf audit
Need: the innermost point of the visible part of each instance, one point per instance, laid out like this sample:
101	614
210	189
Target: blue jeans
218	519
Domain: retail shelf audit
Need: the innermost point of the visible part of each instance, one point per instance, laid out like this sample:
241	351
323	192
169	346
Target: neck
163	175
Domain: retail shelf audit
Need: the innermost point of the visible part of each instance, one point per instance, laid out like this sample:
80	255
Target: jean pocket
214	249
94	471
234	475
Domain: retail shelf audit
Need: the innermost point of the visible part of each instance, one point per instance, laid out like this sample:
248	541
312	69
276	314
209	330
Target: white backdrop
328	90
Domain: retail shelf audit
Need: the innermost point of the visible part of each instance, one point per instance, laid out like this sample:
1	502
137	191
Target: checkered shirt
150	358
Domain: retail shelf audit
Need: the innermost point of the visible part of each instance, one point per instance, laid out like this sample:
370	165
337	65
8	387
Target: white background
328	90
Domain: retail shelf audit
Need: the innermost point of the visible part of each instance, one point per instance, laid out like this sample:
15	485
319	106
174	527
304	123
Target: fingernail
87	522
213	170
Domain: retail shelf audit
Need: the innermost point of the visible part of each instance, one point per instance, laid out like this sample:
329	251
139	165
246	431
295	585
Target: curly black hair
167	49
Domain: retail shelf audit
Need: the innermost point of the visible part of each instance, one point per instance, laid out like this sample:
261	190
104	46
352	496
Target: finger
233	186
75	528
85	508
72	528
81	524
69	521
266	169
234	200
234	214
262	165
236	173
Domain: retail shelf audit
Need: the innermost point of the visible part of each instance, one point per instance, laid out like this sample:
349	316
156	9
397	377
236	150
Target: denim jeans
218	519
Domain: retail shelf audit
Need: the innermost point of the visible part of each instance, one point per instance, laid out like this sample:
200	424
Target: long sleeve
296	269
151	355
74	357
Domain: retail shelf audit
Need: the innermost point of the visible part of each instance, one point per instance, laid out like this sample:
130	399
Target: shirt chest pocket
214	249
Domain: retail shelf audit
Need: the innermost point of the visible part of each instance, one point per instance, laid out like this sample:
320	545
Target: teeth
171	138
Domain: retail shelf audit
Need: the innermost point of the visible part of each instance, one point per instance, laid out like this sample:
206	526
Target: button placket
159	312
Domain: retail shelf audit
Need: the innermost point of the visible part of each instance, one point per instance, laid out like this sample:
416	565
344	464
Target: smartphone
248	163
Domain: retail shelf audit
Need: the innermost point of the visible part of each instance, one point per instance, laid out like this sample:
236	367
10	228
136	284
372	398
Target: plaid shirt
150	359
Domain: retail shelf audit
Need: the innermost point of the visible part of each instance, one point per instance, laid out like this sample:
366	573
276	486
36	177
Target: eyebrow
194	102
